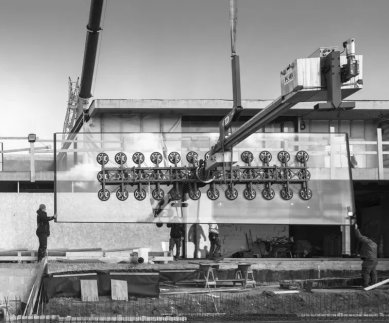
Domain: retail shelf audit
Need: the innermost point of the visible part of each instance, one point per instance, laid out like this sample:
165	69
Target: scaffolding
71	112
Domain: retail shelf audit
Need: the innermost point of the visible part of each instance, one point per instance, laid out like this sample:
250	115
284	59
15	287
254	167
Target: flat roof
365	109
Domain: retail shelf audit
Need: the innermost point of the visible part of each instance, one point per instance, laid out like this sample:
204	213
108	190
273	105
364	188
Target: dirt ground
233	302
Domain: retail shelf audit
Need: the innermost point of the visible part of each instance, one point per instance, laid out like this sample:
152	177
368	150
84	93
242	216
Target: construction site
198	210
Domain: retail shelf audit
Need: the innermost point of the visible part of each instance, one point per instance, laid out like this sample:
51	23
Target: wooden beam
377	285
41	266
285	291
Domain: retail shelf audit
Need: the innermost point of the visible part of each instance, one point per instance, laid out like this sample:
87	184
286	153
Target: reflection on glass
77	183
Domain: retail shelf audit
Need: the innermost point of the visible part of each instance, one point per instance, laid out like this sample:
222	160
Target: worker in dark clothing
177	234
43	230
213	235
368	253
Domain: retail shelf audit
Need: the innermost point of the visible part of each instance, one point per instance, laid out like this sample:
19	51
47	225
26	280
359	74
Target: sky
172	49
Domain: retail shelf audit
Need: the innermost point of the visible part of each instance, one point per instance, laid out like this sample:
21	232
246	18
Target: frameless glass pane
77	184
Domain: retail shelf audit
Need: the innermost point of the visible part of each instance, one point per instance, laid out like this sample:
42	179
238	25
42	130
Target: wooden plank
377	285
136	273
285	292
83	254
89	292
230	280
41	266
74	275
119	290
83	249
163	259
235	289
120	249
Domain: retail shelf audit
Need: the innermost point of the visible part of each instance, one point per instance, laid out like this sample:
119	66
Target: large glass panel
77	184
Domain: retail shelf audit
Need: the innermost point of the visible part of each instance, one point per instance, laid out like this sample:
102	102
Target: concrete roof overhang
365	109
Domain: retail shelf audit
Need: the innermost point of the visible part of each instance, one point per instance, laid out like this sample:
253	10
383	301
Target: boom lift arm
334	75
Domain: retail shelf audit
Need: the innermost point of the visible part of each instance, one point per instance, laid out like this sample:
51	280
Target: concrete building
365	126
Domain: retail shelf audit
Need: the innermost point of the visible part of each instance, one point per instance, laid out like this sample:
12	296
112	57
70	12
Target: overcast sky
172	49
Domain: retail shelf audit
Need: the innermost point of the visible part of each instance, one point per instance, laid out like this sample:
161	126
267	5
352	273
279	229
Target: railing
16	157
369	159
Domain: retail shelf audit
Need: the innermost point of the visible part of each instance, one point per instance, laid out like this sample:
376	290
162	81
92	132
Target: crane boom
92	39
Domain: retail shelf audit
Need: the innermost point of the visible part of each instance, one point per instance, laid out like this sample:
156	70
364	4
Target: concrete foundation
16	279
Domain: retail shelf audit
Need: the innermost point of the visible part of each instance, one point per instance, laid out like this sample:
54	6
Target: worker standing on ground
368	253
43	230
214	239
177	234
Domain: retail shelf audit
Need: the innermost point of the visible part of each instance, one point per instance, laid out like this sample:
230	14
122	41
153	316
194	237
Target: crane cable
233	24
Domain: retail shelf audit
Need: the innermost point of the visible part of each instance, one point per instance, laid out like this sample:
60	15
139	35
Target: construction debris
323	283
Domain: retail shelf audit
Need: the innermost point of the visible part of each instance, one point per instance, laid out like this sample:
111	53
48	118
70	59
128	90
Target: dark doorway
372	205
324	240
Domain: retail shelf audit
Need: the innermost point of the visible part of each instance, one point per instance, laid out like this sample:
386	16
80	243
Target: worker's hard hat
42	207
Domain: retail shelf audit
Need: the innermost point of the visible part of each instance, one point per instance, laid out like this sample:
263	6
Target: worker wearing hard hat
368	253
43	230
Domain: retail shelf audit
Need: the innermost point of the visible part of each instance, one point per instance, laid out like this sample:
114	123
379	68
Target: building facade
26	181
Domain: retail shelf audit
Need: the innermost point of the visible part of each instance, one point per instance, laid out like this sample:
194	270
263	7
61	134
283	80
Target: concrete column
384	224
380	155
332	154
346	239
1	156
384	125
32	162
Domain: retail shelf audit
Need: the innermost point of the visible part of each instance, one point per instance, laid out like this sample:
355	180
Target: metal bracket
332	72
225	123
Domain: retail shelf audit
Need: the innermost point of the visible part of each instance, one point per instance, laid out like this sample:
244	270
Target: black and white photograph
194	161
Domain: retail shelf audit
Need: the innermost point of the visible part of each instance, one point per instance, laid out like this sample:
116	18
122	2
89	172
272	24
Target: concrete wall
18	225
16	281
